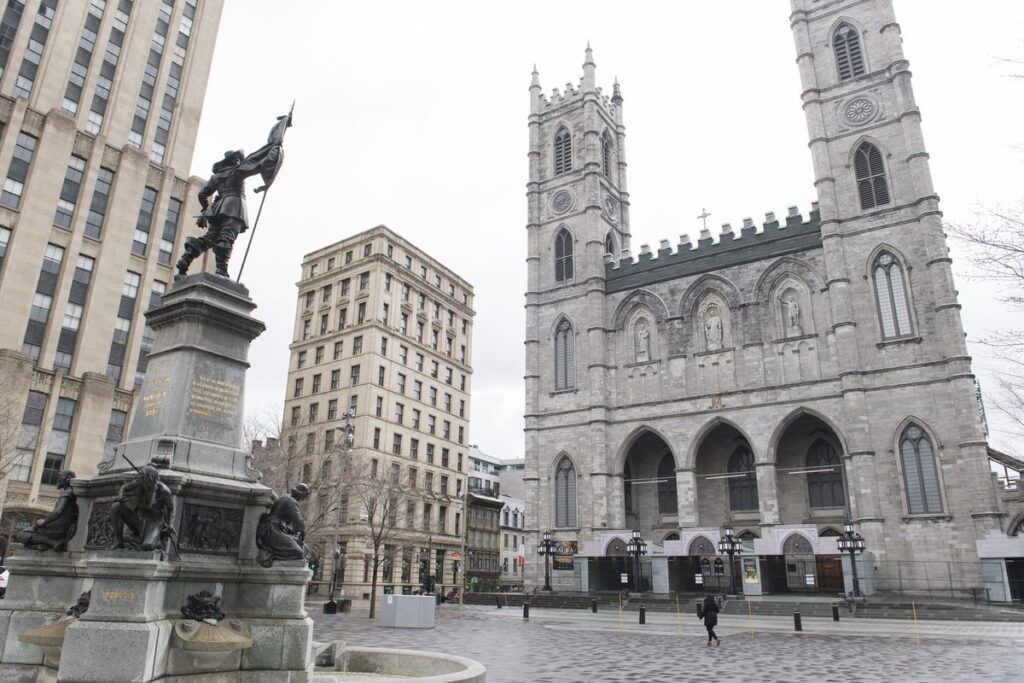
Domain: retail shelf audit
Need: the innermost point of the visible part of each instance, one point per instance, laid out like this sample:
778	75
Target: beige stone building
384	328
780	378
99	105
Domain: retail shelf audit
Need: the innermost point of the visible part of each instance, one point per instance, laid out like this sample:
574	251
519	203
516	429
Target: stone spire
616	93
589	68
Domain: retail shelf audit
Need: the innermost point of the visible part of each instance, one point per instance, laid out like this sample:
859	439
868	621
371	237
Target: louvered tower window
606	155
563	151
565	357
563	256
565	493
891	296
849	56
743	483
872	185
920	474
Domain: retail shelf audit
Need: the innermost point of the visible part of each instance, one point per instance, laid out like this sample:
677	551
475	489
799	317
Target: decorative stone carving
143	508
203	606
54	532
80	607
611	208
643	342
791	314
859	111
280	532
561	201
100	533
209	529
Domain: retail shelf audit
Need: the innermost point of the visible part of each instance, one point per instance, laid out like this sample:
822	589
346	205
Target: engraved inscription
211	397
119	595
154	394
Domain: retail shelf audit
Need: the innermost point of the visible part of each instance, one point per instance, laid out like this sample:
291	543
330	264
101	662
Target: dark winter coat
710	612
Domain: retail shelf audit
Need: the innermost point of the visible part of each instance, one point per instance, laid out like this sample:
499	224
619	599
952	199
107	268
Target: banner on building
565	551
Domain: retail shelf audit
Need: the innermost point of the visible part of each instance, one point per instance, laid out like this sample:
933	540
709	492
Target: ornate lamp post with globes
546	548
729	545
853	543
637	548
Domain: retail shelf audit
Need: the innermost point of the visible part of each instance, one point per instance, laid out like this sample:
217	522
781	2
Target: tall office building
385	329
99	106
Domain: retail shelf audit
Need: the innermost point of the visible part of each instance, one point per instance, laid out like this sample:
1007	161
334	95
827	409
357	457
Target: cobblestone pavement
564	646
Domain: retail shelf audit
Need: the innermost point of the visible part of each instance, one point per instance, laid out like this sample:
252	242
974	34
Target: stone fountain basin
339	662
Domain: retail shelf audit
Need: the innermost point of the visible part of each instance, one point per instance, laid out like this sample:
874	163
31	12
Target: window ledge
559	392
931	515
895	342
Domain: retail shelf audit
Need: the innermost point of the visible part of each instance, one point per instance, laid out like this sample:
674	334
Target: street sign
623	578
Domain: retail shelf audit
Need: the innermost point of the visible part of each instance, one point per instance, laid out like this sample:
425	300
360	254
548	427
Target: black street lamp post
853	543
546	548
729	545
637	547
345	447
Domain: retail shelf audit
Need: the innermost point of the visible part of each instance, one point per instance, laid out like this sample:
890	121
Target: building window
170	233
825	476
565	360
60	435
563	151
920	473
69	192
140	239
849	57
115	431
565	493
609	243
742	488
563	256
870	170
891	296
17	173
98	207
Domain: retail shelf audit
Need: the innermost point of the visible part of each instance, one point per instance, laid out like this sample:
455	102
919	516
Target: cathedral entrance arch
649	478
726	478
811	479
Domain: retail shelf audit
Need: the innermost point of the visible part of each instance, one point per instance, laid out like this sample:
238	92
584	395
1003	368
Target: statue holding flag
225	216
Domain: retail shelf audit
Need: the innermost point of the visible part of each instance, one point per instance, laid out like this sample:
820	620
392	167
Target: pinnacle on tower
616	93
589	77
535	78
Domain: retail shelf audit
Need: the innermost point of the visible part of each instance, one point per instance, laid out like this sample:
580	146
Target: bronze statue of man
280	533
54	532
144	507
225	217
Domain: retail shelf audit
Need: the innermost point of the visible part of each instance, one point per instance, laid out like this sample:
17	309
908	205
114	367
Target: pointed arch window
563	151
825	476
743	483
849	56
565	493
920	473
563	256
565	356
609	243
627	488
606	155
891	296
872	185
667	486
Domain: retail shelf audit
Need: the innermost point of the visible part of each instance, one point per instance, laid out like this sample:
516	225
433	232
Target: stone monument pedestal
188	424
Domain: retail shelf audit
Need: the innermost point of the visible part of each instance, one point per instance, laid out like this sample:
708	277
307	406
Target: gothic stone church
781	379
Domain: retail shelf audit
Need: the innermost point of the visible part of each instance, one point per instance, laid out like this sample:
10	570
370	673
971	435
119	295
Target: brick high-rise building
386	329
99	106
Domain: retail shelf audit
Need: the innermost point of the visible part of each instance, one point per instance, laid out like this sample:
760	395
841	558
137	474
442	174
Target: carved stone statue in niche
712	328
643	343
280	533
54	532
791	314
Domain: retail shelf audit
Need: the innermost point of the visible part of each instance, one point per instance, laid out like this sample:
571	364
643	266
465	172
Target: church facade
782	379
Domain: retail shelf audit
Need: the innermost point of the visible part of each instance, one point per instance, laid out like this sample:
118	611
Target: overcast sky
413	115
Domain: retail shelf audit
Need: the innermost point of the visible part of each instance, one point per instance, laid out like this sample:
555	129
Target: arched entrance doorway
607	573
811	482
726	479
649	478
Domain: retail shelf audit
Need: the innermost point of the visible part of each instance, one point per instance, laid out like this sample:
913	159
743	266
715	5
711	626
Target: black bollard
497	601
593	605
835	611
526	610
797	626
643	615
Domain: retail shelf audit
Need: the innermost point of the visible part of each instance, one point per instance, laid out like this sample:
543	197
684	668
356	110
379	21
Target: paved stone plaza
571	645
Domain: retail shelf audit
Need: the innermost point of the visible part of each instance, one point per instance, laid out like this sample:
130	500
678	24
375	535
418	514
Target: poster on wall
750	570
565	551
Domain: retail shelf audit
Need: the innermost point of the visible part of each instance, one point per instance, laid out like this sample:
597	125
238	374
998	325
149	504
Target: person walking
709	613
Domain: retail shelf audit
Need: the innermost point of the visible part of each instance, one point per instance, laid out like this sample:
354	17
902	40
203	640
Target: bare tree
12	439
379	496
995	247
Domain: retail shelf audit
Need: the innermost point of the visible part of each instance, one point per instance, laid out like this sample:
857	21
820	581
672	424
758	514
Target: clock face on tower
611	208
561	201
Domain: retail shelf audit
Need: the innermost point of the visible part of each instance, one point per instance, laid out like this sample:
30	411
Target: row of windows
825	488
367	251
302	358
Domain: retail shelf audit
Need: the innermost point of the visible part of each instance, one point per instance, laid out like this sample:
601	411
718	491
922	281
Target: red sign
456	555
522	561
